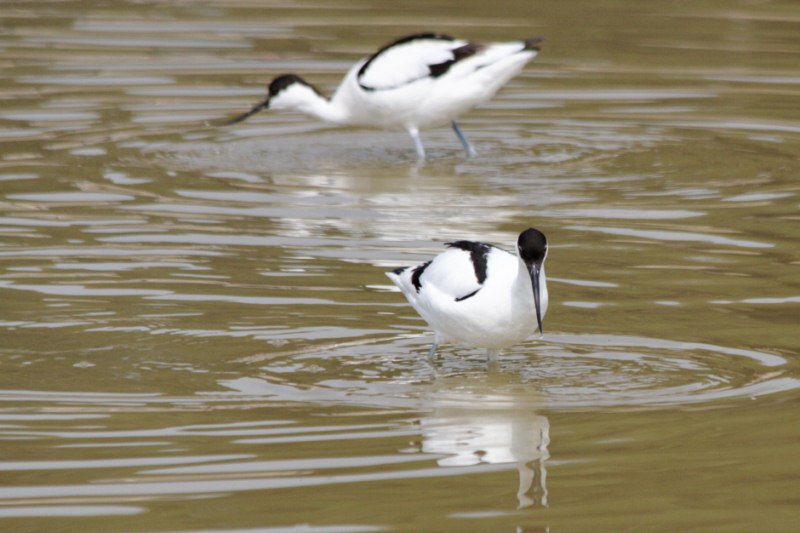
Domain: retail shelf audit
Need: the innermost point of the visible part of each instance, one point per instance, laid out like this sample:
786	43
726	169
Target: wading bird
419	81
478	295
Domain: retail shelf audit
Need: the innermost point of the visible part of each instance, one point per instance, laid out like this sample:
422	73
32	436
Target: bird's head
288	91
532	250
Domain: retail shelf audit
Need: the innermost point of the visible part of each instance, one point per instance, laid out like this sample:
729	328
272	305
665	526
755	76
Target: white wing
407	60
452	273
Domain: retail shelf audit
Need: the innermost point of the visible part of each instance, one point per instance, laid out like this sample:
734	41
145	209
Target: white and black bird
419	81
478	295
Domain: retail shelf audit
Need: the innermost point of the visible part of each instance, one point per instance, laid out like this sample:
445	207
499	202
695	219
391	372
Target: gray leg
464	142
432	351
414	132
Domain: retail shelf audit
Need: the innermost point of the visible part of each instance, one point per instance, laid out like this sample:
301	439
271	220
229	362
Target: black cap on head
276	86
532	246
283	81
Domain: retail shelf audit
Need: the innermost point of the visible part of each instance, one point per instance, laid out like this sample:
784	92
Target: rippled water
196	333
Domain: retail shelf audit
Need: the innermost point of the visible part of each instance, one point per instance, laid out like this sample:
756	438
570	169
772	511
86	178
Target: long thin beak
535	270
256	108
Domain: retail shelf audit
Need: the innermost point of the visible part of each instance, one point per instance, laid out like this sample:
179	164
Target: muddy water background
195	329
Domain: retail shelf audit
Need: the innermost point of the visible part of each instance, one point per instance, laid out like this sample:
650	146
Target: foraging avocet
479	295
419	81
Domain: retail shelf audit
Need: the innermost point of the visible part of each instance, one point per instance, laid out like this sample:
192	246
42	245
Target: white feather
452	274
407	63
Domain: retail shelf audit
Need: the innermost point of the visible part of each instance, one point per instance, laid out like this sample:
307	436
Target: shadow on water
475	421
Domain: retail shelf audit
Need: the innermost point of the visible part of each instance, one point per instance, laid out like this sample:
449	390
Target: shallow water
196	333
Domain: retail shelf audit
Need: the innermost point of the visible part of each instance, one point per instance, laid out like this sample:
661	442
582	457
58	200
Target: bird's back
447	293
427	80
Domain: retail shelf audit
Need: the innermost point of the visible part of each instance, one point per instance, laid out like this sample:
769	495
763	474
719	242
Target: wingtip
394	275
533	43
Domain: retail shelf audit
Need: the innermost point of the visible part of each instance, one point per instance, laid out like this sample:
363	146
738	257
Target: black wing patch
415	275
435	70
470	295
462	52
478	254
398	42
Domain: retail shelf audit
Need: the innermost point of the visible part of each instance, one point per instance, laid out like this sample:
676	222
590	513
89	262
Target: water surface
196	333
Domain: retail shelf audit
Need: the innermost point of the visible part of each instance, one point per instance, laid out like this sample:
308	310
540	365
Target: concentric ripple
565	371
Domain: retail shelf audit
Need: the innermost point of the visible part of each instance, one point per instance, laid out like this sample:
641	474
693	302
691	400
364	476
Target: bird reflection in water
488	420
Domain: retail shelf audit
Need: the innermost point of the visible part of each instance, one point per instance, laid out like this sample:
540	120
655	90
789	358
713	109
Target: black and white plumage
479	295
420	81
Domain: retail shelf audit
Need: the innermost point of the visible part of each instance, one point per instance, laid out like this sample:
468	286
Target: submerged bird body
479	295
417	82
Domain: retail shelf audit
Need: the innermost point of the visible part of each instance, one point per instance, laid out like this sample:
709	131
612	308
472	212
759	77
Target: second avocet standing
419	81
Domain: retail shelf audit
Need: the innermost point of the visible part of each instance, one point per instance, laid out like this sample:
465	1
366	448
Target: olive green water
196	333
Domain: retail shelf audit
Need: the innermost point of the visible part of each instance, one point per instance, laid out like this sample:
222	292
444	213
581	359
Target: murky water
196	333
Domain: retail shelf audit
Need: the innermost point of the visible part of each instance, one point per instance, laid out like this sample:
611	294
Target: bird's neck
323	108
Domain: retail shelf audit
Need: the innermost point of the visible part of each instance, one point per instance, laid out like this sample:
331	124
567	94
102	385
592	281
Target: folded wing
411	59
458	273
